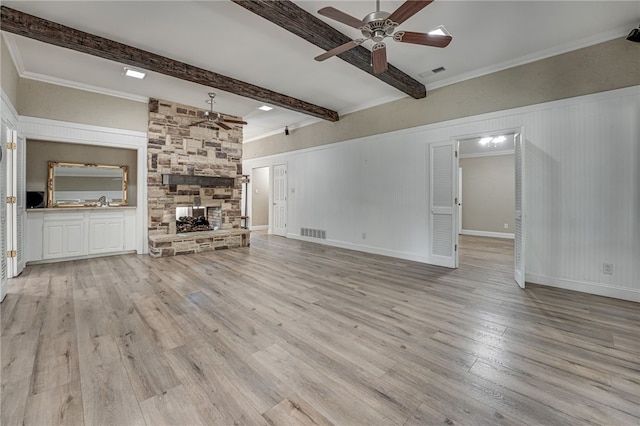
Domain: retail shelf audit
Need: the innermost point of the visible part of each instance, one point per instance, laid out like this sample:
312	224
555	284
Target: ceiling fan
215	117
377	26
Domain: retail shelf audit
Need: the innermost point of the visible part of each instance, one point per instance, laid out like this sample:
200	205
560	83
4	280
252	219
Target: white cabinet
62	234
106	232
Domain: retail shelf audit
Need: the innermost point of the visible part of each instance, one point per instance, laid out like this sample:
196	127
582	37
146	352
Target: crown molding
523	60
81	86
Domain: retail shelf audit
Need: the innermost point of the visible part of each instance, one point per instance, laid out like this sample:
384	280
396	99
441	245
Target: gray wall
602	67
8	74
260	197
45	100
39	153
488	193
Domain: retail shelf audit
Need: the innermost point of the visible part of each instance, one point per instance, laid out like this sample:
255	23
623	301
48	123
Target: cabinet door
63	238
106	235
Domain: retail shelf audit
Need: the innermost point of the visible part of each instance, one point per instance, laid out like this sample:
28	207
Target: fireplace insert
198	218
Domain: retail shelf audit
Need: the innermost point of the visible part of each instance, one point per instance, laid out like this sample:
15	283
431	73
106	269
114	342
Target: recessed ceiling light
265	108
130	72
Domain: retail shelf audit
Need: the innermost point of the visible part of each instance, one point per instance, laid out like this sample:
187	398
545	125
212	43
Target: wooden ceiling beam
50	32
292	18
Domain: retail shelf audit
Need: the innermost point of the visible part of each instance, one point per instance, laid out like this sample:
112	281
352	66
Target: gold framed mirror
85	184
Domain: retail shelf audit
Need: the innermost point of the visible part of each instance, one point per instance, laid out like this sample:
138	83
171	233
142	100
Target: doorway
260	198
490	196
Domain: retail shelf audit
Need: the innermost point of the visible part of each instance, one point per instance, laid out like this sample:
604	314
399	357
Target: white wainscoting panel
582	170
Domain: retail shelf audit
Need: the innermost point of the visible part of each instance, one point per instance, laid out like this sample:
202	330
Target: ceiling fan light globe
378	36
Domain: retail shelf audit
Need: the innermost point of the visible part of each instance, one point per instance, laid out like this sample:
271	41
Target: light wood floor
287	332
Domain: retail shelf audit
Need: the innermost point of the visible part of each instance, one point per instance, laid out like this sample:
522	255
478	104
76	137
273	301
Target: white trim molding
599	289
488	154
363	248
526	59
63	131
9	112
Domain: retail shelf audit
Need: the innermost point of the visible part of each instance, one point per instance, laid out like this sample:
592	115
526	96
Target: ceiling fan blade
337	50
339	16
422	38
221	124
408	9
379	58
235	121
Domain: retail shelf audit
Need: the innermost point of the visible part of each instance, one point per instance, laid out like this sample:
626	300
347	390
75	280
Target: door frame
459	195
520	280
519	234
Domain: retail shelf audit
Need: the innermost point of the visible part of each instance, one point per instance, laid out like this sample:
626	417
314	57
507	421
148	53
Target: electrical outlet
607	268
364	235
506	226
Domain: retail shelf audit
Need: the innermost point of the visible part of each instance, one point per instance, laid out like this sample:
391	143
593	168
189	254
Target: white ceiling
225	38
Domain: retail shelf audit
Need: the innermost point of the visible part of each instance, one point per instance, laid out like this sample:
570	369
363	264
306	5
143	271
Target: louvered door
444	235
519	219
3	211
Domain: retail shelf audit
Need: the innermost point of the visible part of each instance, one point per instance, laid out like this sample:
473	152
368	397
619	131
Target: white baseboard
259	227
599	289
367	249
487	234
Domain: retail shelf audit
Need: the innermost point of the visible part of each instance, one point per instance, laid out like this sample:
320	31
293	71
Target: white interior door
3	212
279	200
520	215
442	203
21	215
11	211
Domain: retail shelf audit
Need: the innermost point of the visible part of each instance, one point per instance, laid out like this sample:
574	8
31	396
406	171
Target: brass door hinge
456	248
456	154
11	145
11	253
11	200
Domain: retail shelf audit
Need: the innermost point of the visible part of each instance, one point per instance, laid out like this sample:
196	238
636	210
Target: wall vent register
313	233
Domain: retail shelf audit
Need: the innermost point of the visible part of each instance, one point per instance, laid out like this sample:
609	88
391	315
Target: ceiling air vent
437	70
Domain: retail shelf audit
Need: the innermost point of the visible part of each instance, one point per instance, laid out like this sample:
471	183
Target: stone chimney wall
175	146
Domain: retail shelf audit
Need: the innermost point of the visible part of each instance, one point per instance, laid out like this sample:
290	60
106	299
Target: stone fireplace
194	173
